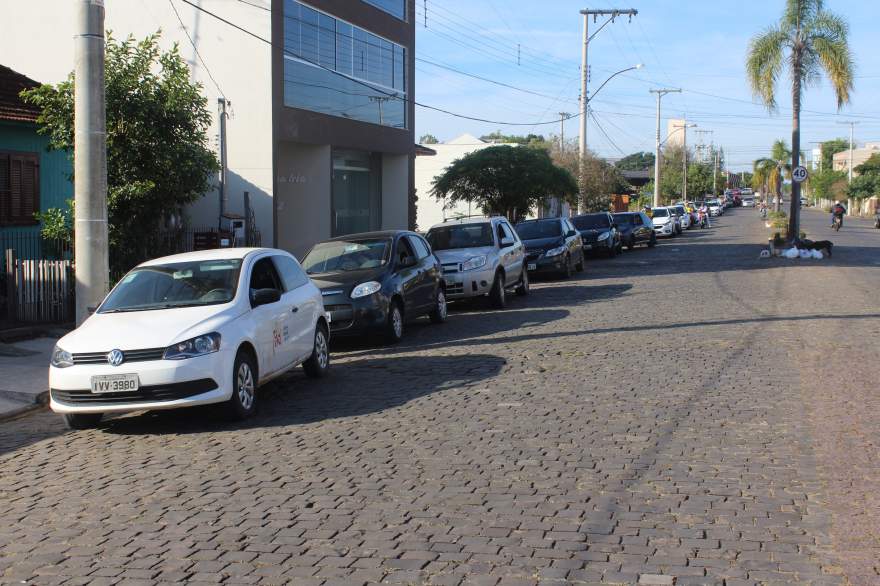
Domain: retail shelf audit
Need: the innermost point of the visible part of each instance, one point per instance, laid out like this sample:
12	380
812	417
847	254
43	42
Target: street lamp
612	76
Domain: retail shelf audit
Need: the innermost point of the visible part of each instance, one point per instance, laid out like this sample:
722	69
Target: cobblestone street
690	412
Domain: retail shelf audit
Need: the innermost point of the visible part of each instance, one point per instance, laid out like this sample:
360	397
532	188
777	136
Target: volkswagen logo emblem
115	357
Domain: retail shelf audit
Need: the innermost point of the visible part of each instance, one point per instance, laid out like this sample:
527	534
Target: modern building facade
343	146
859	156
319	124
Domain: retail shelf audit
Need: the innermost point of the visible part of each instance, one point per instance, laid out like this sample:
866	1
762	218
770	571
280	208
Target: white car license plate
115	383
531	267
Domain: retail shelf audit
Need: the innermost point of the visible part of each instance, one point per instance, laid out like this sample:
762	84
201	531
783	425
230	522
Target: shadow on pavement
356	387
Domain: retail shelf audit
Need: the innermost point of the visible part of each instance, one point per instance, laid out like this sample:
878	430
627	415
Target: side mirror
505	242
570	233
408	261
614	225
264	297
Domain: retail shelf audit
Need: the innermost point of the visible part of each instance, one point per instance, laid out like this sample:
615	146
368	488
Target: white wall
40	45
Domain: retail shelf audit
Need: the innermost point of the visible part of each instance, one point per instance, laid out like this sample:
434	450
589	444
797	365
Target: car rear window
460	236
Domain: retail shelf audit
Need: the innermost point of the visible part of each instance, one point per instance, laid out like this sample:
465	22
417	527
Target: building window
357	193
19	188
336	68
393	7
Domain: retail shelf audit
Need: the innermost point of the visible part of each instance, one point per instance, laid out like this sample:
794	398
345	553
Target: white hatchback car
191	329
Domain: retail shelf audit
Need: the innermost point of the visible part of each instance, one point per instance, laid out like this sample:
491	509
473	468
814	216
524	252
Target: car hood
593	232
345	281
663	220
543	243
463	254
140	330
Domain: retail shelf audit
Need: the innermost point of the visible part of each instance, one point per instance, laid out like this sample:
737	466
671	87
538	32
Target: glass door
356	194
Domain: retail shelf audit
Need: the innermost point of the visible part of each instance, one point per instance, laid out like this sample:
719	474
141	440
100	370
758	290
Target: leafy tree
636	162
871	166
428	139
828	184
830	148
807	40
498	136
864	186
505	180
774	169
158	158
599	181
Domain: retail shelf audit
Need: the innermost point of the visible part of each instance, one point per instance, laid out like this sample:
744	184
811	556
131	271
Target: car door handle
294	309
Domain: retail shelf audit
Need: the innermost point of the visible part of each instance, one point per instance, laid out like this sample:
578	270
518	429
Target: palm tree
807	40
776	168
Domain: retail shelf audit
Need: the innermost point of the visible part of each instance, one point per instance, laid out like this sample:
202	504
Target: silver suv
480	256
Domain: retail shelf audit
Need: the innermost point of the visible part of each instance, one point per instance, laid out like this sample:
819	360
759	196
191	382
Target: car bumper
466	284
356	316
664	230
553	264
599	245
163	384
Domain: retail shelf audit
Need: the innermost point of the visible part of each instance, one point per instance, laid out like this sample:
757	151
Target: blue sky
696	45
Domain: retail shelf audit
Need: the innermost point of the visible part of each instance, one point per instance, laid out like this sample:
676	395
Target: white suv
664	222
480	256
191	329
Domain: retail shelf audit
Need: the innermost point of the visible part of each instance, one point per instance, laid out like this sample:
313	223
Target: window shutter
19	188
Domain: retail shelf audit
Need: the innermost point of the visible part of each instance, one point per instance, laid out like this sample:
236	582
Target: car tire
631	243
243	402
82	420
439	313
567	270
579	267
497	295
523	289
318	364
612	252
653	241
394	323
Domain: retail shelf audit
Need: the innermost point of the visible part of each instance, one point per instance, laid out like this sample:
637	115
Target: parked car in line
553	246
598	233
635	228
480	256
376	281
715	208
191	329
683	218
664	222
748	202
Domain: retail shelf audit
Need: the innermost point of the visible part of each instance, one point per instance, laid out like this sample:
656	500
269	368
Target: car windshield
461	236
623	219
182	284
661	213
347	255
539	229
594	222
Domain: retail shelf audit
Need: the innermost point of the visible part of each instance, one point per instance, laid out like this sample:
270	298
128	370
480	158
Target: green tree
428	139
830	148
871	166
158	158
636	162
807	40
598	182
505	180
775	168
498	136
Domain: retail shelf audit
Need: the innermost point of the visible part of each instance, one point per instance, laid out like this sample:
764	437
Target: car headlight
474	262
604	236
61	358
365	289
555	251
198	346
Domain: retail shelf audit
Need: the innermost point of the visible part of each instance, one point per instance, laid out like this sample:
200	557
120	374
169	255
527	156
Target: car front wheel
523	288
319	362
653	241
394	325
243	402
82	420
498	296
440	311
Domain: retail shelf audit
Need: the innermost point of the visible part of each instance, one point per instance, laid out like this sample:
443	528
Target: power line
199	55
605	134
363	83
486	79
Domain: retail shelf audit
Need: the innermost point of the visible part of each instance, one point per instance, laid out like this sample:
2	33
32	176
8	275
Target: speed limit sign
799	174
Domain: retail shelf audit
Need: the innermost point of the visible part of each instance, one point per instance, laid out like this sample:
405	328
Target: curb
21	412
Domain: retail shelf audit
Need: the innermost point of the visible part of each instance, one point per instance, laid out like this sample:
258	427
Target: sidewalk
24	382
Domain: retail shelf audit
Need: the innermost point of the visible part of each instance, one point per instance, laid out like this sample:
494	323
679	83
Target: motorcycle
877	220
837	223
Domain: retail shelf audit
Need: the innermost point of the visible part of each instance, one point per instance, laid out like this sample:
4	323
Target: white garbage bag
817	254
806	253
791	253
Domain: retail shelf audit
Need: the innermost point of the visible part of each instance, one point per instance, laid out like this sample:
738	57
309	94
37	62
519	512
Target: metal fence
38	291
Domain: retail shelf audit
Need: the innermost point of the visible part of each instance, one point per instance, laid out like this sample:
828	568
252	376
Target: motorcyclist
704	215
837	213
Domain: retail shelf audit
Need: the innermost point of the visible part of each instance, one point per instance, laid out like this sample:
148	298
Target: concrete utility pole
715	175
563	116
851	124
660	93
612	14
222	103
91	255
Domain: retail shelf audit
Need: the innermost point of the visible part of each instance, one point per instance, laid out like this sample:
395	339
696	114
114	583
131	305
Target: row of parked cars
212	326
